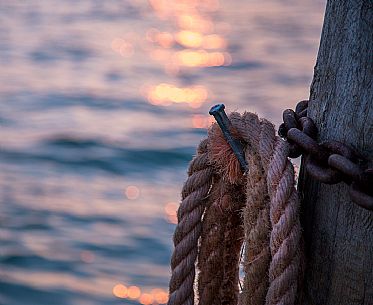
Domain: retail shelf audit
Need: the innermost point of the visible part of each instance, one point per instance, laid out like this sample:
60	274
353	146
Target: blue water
94	149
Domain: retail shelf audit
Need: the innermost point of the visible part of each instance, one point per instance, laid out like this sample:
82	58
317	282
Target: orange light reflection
171	212
189	39
146	299
195	23
214	41
200	58
160	296
155	296
132	192
201	48
165	39
134	292
166	94
120	291
202	121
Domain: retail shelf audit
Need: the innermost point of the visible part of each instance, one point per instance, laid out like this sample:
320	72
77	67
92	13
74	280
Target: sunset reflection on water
102	106
188	46
166	94
155	296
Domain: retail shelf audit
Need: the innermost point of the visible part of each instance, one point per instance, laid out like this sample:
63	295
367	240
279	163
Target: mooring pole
338	233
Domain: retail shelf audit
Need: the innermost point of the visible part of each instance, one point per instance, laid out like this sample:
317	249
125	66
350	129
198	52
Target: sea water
102	104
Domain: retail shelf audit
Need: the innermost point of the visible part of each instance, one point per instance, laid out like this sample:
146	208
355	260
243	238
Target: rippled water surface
101	106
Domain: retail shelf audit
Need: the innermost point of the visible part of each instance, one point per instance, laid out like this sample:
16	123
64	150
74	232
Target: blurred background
102	104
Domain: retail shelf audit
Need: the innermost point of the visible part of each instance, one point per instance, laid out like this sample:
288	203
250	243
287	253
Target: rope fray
221	209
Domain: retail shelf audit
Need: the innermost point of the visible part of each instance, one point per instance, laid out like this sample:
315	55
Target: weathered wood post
338	233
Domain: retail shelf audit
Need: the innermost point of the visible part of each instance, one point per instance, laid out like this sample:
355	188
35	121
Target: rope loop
223	208
226	208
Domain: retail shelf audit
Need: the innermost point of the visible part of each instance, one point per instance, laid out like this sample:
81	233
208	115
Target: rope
257	223
233	239
188	230
227	232
285	234
286	230
262	206
221	240
211	247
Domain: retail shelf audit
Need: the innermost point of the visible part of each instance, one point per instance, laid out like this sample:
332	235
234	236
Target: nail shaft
222	119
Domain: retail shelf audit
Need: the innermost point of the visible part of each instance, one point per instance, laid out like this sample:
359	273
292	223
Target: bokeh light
195	23
120	291
189	39
155	296
160	296
134	292
146	299
171	212
132	192
194	46
200	58
164	39
167	94
202	121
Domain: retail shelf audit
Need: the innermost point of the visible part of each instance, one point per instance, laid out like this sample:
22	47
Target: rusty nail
222	119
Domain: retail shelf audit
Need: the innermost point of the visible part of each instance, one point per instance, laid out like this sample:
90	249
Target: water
101	106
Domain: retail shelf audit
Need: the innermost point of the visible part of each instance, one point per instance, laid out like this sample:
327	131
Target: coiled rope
221	208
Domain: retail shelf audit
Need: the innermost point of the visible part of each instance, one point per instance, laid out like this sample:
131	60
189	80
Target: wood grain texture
338	233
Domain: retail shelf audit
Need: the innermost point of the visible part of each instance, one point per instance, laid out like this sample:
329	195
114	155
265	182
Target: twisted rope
221	240
210	258
222	232
272	229
286	230
233	239
188	230
285	234
256	219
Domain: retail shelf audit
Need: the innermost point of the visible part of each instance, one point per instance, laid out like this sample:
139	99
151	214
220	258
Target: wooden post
338	233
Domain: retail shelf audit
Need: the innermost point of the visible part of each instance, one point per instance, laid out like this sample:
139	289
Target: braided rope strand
222	233
233	239
210	259
285	230
273	253
188	229
285	241
256	214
